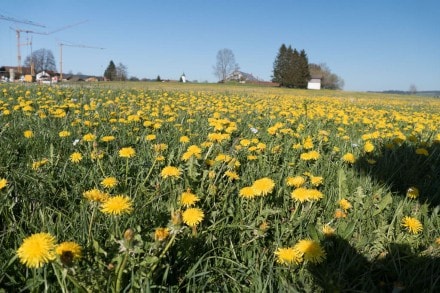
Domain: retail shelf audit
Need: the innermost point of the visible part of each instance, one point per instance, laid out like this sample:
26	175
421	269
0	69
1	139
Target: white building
314	83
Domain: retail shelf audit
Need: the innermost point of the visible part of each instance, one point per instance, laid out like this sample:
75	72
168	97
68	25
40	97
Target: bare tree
329	80
121	72
412	89
225	64
42	59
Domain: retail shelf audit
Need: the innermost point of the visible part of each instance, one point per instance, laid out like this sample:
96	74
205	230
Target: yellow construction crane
7	18
71	45
19	44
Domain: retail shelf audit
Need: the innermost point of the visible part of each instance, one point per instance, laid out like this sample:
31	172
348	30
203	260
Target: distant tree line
291	69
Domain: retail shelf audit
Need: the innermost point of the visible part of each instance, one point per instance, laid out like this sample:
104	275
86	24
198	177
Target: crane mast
71	45
17	31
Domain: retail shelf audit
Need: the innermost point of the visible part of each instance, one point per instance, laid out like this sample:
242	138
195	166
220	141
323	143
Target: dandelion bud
176	218
412	192
160	234
264	226
129	234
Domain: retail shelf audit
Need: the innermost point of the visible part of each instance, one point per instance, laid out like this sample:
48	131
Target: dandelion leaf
311	229
342	184
386	201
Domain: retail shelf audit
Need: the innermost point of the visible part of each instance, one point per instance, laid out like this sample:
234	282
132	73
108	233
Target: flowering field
229	189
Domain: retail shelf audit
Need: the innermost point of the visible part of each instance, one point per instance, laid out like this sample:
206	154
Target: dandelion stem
149	173
164	251
89	234
120	271
126	173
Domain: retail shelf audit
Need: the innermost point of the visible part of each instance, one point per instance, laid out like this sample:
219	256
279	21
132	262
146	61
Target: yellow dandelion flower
223	158
150	137
422	151
252	157
109	182
96	155
263	186
117	205
28	133
368	147
308	143
160	147
188	199
95	195
437	241
412	192
76	157
108	138
310	156
192	150
296	181
288	256
300	194
316	180
245	142
412	225
170	171
3	183
36	250
192	216
68	252
344	204
160	234
89	137
311	250
328	231
184	139
36	165
247	192
339	214
315	194
127	152
232	175
349	158
64	133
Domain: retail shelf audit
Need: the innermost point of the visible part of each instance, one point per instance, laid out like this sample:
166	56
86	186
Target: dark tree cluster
113	72
291	68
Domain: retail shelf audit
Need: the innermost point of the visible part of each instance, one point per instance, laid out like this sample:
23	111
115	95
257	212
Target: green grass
230	250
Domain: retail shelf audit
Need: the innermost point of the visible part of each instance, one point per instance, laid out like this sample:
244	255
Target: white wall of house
314	84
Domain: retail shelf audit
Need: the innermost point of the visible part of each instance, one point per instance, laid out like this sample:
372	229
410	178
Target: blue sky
372	45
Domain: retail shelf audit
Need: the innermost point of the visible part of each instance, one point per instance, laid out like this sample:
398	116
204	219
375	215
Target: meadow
140	187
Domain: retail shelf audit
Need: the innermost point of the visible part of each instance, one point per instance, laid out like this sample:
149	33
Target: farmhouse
11	72
241	77
314	83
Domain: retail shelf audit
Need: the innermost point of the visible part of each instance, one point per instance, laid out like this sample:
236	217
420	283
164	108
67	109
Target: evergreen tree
291	68
110	73
291	79
279	65
303	70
